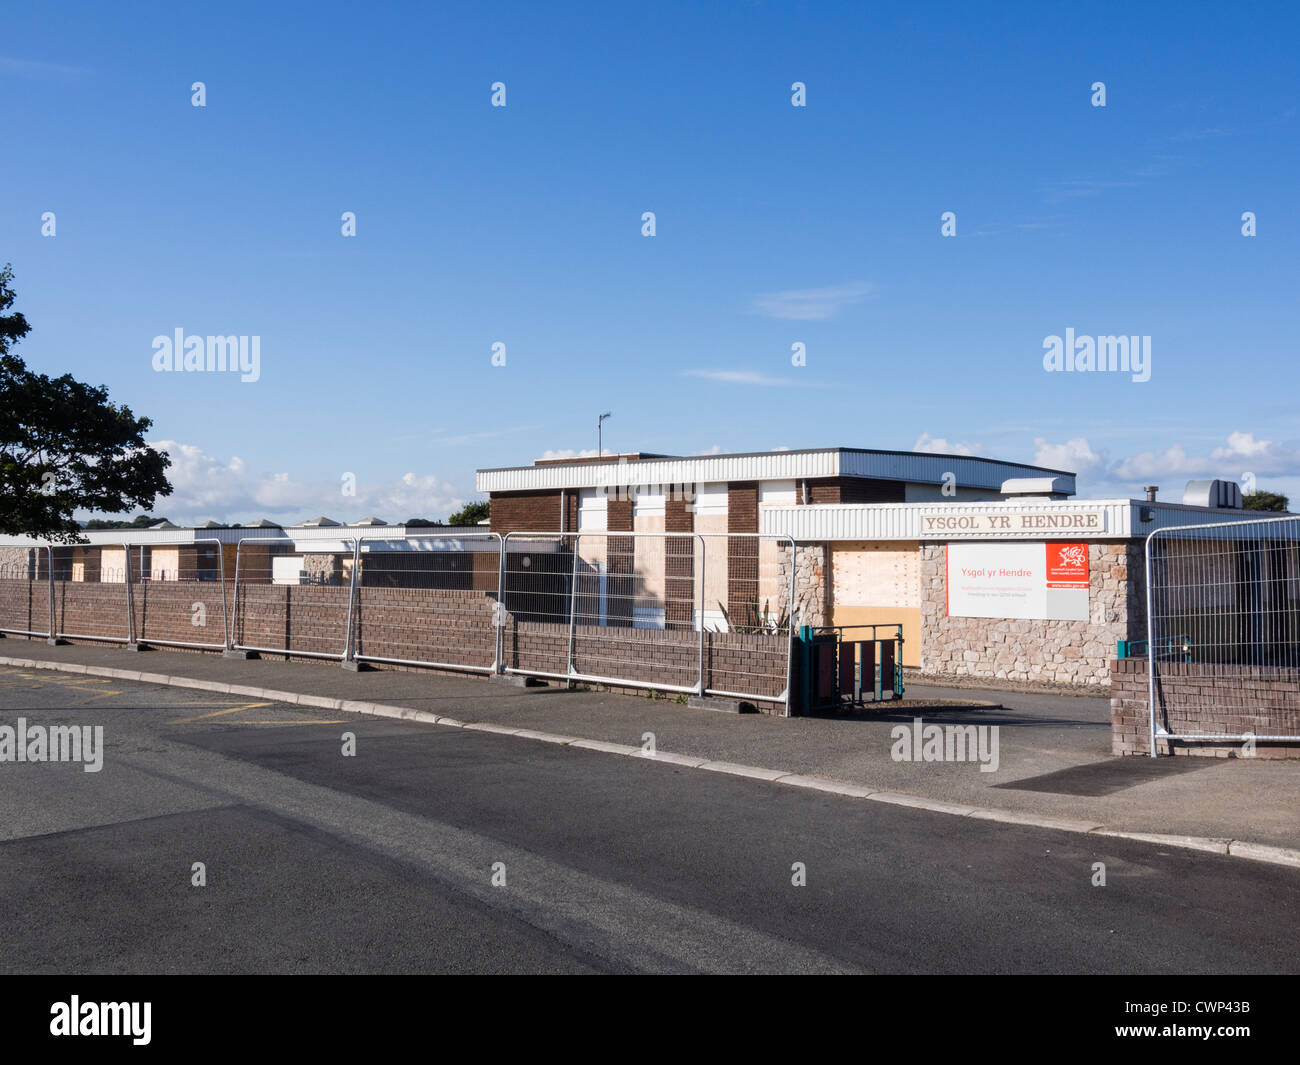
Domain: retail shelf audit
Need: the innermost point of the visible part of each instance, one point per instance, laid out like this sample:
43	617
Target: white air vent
1222	494
1044	487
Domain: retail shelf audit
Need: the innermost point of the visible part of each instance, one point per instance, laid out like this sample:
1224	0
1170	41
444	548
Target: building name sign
1035	523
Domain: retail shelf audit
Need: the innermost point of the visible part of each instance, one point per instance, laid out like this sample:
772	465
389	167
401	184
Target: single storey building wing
992	568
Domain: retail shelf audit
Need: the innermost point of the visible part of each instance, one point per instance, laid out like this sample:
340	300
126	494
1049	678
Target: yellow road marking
219	713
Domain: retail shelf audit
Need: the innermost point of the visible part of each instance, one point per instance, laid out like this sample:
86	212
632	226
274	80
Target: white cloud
743	377
937	445
811	304
227	490
1243	454
36	68
1169	467
1076	455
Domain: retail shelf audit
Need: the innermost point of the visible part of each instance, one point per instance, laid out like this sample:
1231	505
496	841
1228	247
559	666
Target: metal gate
839	673
1223	631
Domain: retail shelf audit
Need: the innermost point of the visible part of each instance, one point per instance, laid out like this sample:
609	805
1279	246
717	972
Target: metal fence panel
747	599
428	600
293	599
1223	631
92	592
706	613
26	607
178	594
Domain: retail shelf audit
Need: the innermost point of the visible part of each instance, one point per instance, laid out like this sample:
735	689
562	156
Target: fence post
703	551
499	611
573	603
225	610
130	598
349	660
54	629
789	624
1151	651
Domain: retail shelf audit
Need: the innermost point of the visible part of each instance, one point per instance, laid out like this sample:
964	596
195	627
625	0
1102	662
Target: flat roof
915	467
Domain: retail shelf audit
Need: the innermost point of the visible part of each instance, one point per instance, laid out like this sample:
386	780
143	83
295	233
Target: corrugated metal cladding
903	521
777	466
1121	519
968	471
162	537
768	466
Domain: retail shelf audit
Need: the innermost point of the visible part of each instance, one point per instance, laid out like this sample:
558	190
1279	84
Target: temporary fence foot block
136	646
515	681
55	642
358	667
725	706
238	654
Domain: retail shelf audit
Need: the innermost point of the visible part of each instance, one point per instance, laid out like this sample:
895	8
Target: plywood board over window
878	583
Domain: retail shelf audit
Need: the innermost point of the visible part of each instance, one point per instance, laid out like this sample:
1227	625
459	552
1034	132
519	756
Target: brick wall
94	610
24	604
742	551
855	490
171	610
736	662
426	625
292	617
679	565
1195	698
452	627
528	511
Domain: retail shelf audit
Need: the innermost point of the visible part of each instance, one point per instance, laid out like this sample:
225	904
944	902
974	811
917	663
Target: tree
1265	501
143	521
64	446
470	514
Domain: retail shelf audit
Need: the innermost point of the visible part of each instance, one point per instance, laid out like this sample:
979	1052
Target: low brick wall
91	609
735	662
426	625
24	605
180	611
451	627
1203	699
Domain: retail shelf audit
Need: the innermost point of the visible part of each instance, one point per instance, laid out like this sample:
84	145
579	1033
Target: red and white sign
1067	565
1043	581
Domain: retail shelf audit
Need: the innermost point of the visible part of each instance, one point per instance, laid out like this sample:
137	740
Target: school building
993	568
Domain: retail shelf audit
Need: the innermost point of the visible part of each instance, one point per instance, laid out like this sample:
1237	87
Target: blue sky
775	225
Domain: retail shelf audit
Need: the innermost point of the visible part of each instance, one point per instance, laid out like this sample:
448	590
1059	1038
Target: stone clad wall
810	580
1059	652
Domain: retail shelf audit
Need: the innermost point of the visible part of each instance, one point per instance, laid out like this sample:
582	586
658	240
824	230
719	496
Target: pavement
1054	766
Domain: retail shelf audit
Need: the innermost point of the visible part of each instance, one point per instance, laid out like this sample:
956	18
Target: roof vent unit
1224	495
1037	489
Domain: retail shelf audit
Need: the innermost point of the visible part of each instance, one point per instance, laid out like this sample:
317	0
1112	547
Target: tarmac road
434	849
